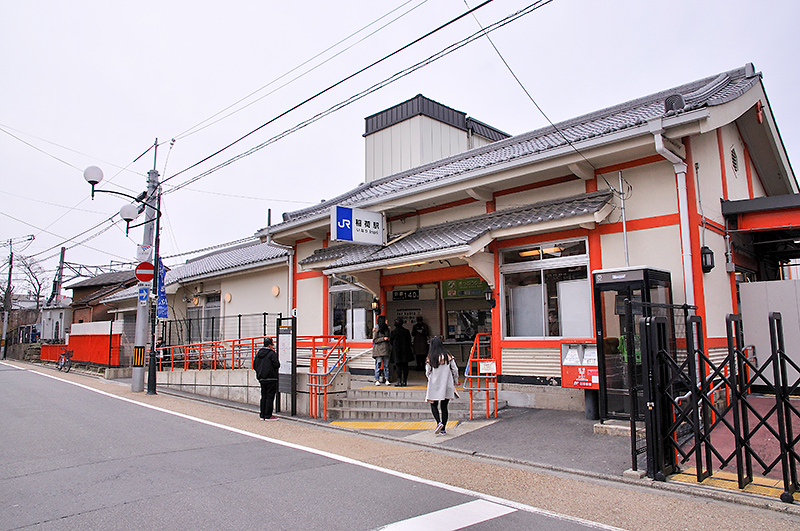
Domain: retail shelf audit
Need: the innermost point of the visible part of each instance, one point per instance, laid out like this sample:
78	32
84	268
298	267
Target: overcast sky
96	82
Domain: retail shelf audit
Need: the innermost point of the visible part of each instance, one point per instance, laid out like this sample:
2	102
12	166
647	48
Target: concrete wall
242	386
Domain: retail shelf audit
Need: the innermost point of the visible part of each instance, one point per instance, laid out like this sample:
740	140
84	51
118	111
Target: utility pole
7	302
57	280
143	304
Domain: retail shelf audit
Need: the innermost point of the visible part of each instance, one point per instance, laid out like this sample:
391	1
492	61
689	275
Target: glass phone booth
619	369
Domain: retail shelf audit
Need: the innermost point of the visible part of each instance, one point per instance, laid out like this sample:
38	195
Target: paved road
75	458
78	458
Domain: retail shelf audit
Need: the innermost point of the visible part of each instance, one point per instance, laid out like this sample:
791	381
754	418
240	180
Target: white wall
309	306
409	144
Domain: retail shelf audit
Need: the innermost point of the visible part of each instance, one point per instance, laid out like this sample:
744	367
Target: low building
502	239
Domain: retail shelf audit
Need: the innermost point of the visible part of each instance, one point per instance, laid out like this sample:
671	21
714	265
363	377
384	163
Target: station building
479	232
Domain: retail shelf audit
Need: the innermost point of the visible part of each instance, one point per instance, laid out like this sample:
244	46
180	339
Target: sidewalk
563	442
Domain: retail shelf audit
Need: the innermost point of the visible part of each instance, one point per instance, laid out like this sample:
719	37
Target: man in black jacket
266	365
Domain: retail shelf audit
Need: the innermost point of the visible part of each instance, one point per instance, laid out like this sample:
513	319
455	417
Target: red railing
226	354
481	373
328	357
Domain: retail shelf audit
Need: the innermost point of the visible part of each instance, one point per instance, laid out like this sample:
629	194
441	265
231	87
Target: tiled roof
106	279
459	233
237	258
98	294
219	263
710	91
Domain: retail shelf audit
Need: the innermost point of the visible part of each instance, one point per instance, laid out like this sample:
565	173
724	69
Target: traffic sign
144	272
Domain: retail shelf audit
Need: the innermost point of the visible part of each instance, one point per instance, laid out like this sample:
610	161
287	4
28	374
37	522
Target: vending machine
618	347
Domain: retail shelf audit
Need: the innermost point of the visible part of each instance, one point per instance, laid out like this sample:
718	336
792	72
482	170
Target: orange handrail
475	380
213	353
320	375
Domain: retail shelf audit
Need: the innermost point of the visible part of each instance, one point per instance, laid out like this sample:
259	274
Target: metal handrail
213	352
470	377
319	380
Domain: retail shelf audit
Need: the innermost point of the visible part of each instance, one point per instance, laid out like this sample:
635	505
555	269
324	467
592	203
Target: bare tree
35	279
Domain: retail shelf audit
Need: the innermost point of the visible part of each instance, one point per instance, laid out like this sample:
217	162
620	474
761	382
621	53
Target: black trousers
402	372
268	390
435	410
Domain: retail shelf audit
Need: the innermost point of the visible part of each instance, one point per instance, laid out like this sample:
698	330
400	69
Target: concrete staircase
403	403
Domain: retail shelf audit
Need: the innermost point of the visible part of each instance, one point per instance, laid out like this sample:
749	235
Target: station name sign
357	226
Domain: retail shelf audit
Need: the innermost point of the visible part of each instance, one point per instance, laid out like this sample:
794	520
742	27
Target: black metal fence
209	329
718	414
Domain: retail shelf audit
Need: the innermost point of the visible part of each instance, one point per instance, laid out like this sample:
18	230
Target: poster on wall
461	288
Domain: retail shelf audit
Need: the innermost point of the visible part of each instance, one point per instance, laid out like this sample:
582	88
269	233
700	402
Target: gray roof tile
462	232
710	91
227	259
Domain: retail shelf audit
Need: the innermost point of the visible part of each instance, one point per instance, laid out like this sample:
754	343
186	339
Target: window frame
336	286
541	265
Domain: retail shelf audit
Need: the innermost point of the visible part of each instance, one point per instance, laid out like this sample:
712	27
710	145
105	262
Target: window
546	291
351	310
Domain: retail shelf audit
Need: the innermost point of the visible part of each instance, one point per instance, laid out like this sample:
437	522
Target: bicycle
64	361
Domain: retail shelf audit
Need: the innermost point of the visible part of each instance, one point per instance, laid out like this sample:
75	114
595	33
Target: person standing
266	365
420	333
402	354
442	373
381	350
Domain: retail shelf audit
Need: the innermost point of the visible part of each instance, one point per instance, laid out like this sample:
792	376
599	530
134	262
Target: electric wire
342	104
323	91
196	128
546	117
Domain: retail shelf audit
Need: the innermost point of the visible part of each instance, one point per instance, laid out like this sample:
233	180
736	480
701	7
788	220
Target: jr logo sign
344	224
357	226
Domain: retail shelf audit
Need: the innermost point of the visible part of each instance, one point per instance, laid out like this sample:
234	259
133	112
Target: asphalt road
78	458
78	452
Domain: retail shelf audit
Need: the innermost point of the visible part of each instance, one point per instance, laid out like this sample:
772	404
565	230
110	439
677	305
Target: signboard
357	226
144	272
405	295
285	344
144	294
463	288
162	311
143	252
487	367
579	366
287	354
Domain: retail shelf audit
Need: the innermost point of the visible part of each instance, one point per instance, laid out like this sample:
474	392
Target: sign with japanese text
162	311
357	226
579	366
461	288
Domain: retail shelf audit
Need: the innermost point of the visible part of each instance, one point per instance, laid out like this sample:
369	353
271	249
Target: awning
466	238
772	223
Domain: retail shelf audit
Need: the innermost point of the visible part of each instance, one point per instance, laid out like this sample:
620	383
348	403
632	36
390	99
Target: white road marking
453	518
343	459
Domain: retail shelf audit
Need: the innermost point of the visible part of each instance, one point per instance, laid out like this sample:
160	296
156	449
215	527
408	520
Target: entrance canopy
465	238
771	225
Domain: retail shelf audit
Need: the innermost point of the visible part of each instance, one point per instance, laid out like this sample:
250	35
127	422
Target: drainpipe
683	206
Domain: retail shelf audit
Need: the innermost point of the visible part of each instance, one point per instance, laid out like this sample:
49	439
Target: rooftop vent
674	102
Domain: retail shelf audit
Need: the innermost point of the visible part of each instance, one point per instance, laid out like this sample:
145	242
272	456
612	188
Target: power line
266	199
442	53
323	91
196	128
541	111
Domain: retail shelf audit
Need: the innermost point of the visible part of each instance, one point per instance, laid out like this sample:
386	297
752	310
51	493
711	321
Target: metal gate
708	413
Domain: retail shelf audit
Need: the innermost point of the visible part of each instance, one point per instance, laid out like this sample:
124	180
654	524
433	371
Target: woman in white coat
442	373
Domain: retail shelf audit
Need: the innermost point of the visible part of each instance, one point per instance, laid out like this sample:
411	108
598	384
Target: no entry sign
144	272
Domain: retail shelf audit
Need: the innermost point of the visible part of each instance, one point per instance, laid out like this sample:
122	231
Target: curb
712	493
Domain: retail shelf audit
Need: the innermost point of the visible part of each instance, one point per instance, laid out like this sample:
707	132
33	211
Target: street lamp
151	239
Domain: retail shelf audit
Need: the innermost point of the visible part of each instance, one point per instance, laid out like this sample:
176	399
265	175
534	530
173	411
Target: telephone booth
620	370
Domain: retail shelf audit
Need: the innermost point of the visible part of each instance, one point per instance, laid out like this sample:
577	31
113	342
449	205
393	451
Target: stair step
395	403
344	413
